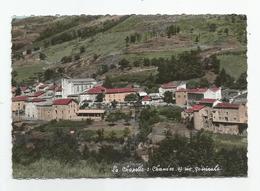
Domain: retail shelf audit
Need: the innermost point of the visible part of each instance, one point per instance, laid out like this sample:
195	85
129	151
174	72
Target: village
82	99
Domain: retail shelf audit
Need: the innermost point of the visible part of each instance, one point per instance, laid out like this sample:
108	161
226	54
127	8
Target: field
233	64
44	168
26	71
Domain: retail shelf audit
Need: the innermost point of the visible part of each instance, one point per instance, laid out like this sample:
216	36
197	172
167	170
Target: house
31	111
76	86
230	113
200	115
91	94
146	100
94	114
213	93
25	90
18	103
58	92
38	94
181	97
45	111
117	94
196	94
171	87
64	109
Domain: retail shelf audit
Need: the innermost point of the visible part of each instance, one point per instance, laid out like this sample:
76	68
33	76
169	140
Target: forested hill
130	45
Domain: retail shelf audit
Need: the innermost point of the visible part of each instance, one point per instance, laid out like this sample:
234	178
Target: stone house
181	97
64	109
18	103
117	94
171	87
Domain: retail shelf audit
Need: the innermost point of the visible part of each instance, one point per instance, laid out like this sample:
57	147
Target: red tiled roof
181	90
64	101
37	100
96	90
190	110
146	98
206	100
36	94
20	98
197	90
168	85
227	106
119	90
197	107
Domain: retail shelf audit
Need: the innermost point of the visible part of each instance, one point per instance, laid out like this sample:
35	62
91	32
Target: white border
66	7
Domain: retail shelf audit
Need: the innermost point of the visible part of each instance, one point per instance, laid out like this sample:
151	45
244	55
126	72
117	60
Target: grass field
229	141
44	168
26	71
233	64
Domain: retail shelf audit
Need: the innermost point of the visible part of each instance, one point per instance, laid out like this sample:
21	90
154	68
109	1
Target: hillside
84	46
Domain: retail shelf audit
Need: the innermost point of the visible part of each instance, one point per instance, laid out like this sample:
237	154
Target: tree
42	56
126	132
123	64
114	104
241	83
226	31
137	63
127	40
100	134
112	135
131	98
18	91
49	74
82	49
14	75
204	82
168	97
107	83
212	27
100	97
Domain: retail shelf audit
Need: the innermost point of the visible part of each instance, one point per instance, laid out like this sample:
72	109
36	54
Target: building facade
76	86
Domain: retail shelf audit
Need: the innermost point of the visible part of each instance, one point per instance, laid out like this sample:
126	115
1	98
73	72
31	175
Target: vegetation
197	151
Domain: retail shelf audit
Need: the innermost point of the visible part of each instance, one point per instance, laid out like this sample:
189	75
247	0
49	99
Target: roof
197	90
36	94
181	90
119	90
190	110
37	100
43	86
197	107
214	89
169	85
146	98
207	100
20	98
227	105
96	90
64	101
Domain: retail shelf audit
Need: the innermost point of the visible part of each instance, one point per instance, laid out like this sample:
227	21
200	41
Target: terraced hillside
83	46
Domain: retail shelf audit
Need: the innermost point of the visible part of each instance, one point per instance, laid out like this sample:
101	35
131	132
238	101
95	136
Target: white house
91	94
76	86
146	100
213	93
172	87
31	111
